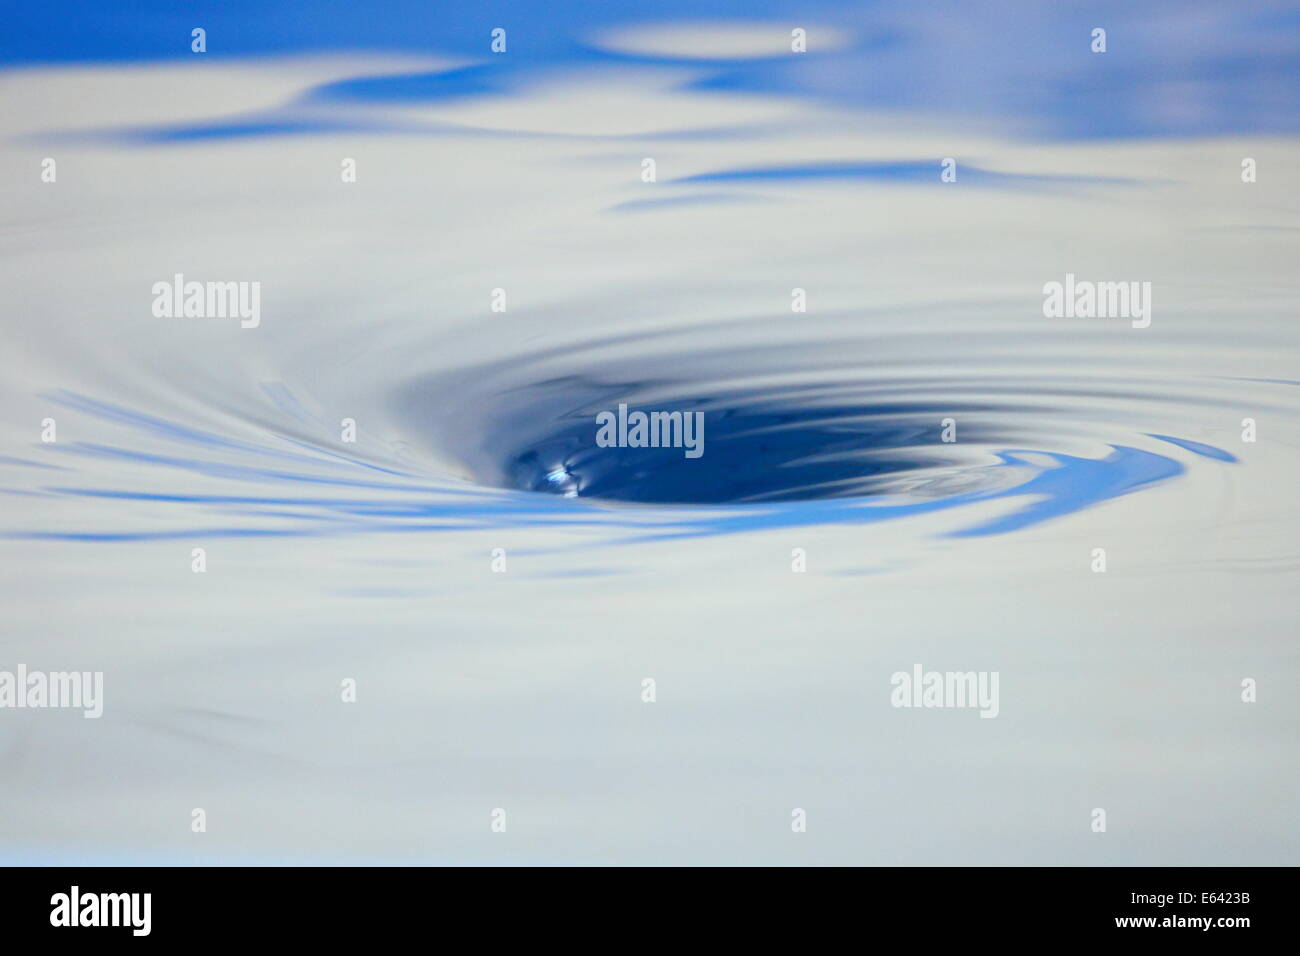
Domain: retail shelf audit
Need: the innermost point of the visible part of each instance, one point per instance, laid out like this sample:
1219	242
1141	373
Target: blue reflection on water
1063	485
1023	64
915	171
1243	63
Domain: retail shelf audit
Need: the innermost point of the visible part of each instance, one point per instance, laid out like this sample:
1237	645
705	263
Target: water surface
824	444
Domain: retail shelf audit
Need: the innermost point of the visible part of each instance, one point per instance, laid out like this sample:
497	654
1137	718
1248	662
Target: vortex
895	422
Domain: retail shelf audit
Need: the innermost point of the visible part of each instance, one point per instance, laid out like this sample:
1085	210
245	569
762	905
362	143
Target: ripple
804	423
855	425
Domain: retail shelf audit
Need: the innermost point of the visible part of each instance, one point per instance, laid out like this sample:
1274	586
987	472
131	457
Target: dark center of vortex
747	454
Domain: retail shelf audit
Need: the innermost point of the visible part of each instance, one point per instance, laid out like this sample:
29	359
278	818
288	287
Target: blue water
499	584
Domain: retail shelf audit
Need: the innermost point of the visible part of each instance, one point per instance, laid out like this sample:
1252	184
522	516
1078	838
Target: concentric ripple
803	424
893	424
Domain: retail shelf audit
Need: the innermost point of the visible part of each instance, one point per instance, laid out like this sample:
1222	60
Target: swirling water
825	430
